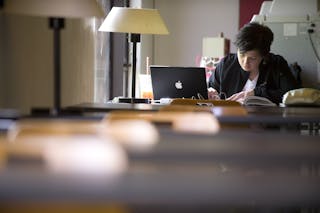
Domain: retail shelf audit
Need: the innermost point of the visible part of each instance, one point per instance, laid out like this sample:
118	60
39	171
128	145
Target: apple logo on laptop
178	85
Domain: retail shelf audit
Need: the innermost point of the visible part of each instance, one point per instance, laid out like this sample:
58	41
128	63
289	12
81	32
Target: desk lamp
135	21
57	11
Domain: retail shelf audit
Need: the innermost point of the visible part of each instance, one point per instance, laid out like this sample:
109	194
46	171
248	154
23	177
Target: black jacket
275	77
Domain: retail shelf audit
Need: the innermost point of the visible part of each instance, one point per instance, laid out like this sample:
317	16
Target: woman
253	70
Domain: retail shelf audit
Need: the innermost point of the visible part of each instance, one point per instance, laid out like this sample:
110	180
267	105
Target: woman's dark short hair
254	36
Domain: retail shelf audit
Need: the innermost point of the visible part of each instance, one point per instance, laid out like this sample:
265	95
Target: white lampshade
215	47
55	8
134	20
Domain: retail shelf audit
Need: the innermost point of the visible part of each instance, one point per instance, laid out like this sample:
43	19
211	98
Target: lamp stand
56	24
134	38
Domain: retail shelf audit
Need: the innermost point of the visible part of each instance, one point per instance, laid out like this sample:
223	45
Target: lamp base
134	100
51	112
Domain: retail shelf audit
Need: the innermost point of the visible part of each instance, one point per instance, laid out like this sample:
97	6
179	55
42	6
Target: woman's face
250	60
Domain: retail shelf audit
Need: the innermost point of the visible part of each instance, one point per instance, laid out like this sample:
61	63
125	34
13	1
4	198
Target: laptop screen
178	82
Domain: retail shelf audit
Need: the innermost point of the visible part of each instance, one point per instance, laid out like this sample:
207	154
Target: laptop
178	82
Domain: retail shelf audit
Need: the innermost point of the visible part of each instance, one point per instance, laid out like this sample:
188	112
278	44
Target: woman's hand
240	96
213	94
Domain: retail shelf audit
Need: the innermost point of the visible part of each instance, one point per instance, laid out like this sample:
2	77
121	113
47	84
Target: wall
28	68
188	22
78	62
247	9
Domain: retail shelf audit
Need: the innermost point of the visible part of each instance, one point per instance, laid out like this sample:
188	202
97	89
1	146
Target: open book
257	101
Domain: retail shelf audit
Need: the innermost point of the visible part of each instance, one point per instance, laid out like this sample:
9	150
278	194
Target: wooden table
186	171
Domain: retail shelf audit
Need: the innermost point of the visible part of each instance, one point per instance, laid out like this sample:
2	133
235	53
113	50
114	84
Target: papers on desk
257	101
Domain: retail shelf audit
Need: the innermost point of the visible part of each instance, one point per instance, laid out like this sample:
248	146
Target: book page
257	101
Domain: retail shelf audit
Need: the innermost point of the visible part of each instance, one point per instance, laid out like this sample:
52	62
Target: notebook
178	82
